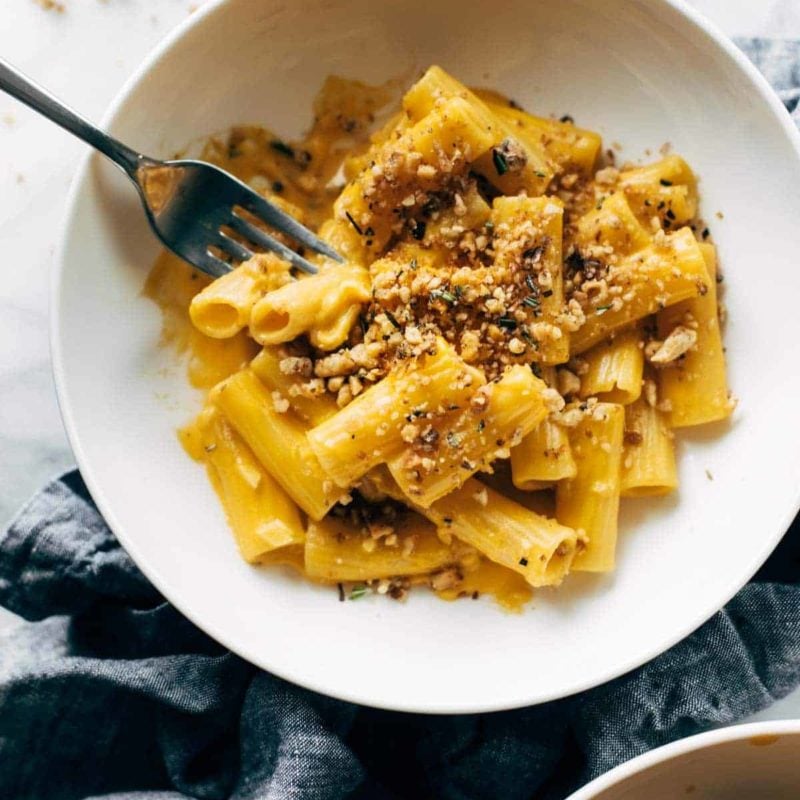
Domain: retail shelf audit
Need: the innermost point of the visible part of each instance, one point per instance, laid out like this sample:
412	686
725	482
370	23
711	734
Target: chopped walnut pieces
379	530
409	544
553	401
517	346
680	340
568	382
293	365
481	497
447	579
341	363
509	156
280	403
607	176
409	433
650	392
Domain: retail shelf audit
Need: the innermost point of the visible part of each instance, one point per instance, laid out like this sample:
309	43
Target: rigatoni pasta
263	517
515	331
648	456
694	384
589	502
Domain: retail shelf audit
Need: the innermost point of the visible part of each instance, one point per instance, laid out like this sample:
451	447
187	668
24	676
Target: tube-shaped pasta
590	501
223	308
614	369
648	461
267	366
471	438
324	306
367	432
473	213
530	543
542	458
344	239
516	161
262	516
538	500
613	224
660	275
455	129
695	387
529	230
666	189
568	148
392	128
278	441
540	549
337	551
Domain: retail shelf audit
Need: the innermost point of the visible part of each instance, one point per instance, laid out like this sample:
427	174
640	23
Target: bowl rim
690	744
152	571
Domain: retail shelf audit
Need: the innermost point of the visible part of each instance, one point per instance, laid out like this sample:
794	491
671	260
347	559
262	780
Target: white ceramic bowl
744	762
642	73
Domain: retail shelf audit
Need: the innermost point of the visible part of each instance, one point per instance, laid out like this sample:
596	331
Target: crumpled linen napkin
107	691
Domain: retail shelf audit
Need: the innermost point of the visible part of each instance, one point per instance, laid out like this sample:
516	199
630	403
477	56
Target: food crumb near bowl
51	5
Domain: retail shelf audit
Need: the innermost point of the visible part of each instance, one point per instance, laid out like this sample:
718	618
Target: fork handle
33	95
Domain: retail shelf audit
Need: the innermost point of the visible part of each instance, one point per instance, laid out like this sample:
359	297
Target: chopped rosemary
531	301
600	310
481	425
354	223
665	182
391	317
531	284
567	118
523	562
540	174
507	323
358	591
418	229
443	294
499	160
282	148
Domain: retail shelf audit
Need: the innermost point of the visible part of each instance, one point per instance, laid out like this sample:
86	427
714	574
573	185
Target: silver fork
189	203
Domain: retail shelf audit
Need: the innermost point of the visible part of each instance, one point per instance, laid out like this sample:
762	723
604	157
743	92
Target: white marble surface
83	55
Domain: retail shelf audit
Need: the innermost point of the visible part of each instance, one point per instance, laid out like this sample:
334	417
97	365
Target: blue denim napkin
107	691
